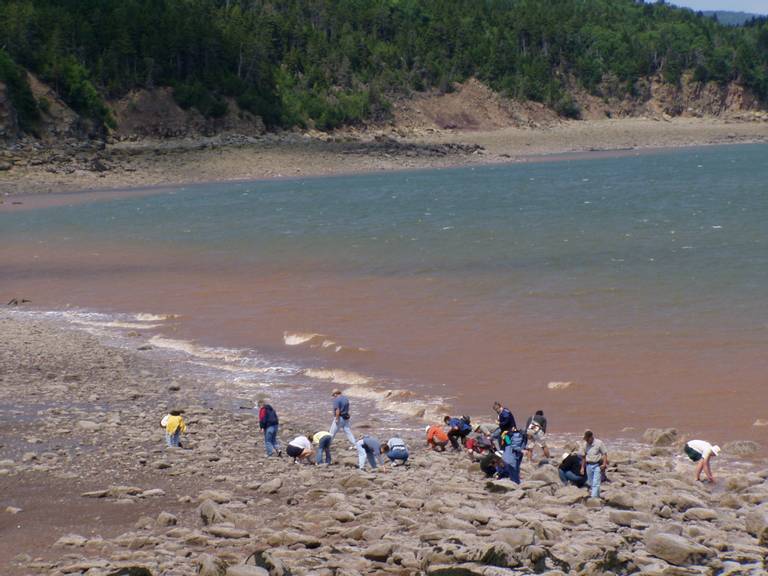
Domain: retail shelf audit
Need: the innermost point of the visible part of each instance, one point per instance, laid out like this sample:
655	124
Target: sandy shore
86	487
171	162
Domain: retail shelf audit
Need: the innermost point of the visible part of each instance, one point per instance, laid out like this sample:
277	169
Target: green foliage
15	79
77	90
326	63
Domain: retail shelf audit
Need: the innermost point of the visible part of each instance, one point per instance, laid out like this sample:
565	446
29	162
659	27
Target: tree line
328	63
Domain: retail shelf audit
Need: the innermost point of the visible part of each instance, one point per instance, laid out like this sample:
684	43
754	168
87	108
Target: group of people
499	449
316	447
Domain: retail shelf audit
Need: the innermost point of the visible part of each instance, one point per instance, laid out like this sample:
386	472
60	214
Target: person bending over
458	430
701	452
396	451
570	470
300	448
437	439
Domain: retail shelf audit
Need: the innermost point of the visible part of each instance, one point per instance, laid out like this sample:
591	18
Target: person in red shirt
437	439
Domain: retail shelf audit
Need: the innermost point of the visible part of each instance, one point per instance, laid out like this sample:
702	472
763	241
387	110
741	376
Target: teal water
632	277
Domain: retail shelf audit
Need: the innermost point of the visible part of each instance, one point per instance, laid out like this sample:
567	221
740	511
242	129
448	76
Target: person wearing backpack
458	430
174	425
513	443
536	429
268	422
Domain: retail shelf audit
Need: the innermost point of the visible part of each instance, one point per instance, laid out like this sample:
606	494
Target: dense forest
332	62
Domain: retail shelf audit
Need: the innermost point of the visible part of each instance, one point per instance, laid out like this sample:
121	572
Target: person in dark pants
458	430
268	422
570	470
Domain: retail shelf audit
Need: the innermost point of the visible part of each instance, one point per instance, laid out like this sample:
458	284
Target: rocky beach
88	487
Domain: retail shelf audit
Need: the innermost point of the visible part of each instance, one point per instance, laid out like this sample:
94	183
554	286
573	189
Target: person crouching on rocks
174	425
513	443
701	452
369	449
323	441
594	462
300	448
396	451
437	439
458	430
570	470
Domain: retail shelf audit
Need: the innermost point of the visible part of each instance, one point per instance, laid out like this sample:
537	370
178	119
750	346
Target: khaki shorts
537	439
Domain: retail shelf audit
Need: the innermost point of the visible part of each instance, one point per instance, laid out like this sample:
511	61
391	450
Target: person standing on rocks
570	470
300	448
594	461
323	441
341	416
369	449
513	443
506	420
174	426
536	429
701	452
458	430
268	422
396	451
437	439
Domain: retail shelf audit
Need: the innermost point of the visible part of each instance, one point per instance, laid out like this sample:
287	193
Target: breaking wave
320	341
189	347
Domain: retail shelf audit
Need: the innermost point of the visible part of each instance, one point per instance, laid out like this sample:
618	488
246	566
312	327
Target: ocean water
613	293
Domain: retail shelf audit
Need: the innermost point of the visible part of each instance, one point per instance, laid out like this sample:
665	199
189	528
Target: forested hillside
332	62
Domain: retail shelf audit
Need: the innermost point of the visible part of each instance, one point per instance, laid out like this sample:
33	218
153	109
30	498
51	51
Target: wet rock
211	513
661	436
620	499
703	514
629	518
71	540
756	523
128	571
217	496
516	538
222	531
271	487
379	552
741	448
245	570
208	565
166	519
676	550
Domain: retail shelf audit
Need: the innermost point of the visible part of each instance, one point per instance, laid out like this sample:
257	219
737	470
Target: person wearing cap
396	451
594	460
437	439
341	416
570	470
701	452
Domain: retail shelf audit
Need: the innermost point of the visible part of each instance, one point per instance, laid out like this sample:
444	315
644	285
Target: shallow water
641	280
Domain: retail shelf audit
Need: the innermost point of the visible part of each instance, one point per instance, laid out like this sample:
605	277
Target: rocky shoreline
66	165
87	487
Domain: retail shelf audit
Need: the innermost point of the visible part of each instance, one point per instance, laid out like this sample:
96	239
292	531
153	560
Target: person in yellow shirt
174	425
323	441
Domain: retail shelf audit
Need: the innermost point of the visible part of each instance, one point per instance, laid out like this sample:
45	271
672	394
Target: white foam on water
117	324
299	338
559	385
144	317
338	376
320	341
192	349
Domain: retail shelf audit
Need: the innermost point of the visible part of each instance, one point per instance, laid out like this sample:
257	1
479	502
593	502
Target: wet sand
177	162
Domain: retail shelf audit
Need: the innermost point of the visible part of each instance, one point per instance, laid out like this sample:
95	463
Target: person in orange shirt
437	438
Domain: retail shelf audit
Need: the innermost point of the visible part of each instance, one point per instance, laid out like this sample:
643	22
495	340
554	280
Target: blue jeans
324	447
512	461
173	440
363	455
594	476
398	454
270	439
568	477
342	424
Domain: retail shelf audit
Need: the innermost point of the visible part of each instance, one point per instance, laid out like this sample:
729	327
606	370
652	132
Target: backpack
270	416
515	439
465	425
534	427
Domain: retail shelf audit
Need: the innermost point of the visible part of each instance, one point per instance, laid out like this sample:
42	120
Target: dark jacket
506	420
267	417
571	463
540	420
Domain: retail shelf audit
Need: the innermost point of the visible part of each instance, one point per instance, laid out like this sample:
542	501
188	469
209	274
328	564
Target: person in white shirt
300	448
701	452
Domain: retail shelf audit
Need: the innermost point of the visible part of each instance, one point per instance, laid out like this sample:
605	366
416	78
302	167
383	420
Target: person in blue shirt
341	416
458	430
513	443
368	449
506	420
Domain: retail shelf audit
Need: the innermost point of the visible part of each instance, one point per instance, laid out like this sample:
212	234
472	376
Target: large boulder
676	550
757	523
660	436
